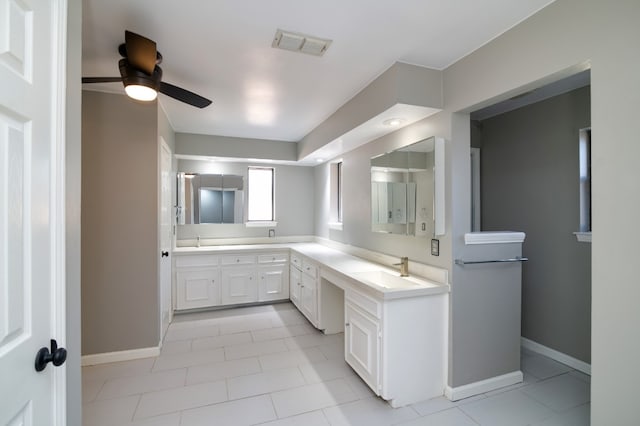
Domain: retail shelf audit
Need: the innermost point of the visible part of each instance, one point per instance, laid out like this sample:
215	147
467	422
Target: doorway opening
526	176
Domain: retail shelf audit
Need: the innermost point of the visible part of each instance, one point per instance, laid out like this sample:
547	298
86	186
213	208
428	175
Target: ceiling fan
141	75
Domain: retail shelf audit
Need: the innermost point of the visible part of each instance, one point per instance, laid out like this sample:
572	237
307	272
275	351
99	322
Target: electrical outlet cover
435	247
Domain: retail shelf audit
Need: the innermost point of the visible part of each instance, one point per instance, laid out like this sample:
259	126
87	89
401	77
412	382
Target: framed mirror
209	198
407	190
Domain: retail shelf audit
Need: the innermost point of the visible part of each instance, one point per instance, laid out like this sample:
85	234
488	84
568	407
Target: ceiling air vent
303	43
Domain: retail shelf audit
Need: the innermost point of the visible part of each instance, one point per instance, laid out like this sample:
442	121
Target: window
261	194
335	199
585	180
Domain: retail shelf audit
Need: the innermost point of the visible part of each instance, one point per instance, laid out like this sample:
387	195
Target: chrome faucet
404	266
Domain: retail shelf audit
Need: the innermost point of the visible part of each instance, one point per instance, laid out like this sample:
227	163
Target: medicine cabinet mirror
209	198
407	190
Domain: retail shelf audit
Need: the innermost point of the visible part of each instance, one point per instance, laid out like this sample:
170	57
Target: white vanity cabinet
295	281
303	286
197	281
230	278
396	345
362	334
273	273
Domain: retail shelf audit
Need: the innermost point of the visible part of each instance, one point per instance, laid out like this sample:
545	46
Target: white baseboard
107	357
555	355
487	385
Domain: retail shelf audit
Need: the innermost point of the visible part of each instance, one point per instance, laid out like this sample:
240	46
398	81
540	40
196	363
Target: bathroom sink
387	279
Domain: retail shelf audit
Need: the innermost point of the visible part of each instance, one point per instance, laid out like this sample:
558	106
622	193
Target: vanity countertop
339	267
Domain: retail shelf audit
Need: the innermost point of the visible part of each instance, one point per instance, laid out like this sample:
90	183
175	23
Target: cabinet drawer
196	260
364	302
273	258
240	259
296	260
309	268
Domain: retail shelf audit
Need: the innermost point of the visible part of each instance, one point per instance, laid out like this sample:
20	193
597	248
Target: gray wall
530	183
72	211
561	39
294	187
119	224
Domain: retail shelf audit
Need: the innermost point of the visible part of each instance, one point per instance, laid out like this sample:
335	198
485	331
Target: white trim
58	201
500	237
260	224
475	190
335	225
439	216
163	146
107	357
556	355
583	237
477	388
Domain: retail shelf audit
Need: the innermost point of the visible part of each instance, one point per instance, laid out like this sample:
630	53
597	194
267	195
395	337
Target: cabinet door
295	281
239	285
274	283
362	344
197	288
309	299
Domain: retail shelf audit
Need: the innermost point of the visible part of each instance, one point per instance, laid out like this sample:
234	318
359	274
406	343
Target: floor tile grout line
464	413
133	415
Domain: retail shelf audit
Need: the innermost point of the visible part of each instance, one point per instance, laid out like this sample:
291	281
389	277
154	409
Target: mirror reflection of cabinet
407	190
209	198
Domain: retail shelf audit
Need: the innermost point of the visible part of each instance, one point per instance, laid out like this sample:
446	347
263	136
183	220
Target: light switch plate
435	247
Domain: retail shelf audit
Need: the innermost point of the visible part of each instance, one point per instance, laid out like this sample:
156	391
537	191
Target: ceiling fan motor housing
133	76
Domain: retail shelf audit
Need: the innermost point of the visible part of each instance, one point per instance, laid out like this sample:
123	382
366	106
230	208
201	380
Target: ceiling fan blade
141	52
101	79
184	95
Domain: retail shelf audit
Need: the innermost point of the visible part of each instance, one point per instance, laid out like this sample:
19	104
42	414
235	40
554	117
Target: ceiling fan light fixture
140	92
139	85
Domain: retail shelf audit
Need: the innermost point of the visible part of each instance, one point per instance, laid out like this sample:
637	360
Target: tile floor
266	365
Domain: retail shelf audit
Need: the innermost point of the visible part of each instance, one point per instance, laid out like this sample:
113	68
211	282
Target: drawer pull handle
347	325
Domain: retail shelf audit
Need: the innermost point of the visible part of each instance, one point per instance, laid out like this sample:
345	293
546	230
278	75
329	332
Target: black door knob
165	254
57	356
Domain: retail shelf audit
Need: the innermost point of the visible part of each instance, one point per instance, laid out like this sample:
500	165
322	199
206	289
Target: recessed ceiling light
319	160
393	122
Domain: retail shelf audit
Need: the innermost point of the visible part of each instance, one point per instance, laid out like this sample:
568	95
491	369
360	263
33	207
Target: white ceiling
222	50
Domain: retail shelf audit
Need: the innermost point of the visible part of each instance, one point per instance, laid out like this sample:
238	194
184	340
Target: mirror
407	190
208	198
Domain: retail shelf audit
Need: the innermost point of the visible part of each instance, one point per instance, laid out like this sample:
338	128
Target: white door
308	298
165	237
239	285
197	288
295	278
274	283
361	344
32	108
